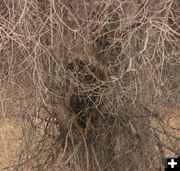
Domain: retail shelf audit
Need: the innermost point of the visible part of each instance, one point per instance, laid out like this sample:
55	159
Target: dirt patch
10	142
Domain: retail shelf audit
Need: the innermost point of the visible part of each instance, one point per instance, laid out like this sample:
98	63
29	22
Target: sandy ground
10	133
9	142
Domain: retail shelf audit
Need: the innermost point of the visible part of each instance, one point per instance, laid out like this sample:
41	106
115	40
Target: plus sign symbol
173	164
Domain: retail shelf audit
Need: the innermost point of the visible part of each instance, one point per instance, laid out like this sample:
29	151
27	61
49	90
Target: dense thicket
139	41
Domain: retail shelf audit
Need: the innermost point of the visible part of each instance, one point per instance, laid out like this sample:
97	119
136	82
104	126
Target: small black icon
173	164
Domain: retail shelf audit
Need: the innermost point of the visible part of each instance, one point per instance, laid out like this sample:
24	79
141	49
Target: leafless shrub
139	40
